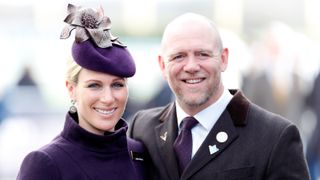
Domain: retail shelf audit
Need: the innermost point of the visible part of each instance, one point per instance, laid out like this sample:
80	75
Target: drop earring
73	108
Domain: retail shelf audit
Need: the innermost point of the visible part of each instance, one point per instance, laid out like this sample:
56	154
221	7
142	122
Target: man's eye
177	58
204	54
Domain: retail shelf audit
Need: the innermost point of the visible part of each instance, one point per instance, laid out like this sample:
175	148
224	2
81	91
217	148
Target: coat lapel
211	147
234	115
166	132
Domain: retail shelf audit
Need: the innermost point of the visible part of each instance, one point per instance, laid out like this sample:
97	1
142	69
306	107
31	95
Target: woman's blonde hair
73	70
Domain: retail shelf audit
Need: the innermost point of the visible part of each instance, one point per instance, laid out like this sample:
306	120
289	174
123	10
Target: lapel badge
213	149
164	136
222	137
136	156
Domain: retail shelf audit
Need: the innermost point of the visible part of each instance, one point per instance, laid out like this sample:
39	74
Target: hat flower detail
89	23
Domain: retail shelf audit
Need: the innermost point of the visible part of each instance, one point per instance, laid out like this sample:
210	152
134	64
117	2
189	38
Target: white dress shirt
206	118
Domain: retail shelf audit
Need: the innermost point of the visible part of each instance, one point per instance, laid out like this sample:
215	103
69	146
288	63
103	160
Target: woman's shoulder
38	164
41	163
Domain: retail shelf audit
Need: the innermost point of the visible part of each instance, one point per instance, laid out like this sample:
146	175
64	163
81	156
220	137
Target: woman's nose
107	96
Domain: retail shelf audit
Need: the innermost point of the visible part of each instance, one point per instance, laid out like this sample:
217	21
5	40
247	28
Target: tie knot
188	123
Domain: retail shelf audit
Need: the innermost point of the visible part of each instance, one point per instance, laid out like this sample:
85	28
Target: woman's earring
73	108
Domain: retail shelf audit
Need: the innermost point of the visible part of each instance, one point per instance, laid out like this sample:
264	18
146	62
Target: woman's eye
93	85
118	85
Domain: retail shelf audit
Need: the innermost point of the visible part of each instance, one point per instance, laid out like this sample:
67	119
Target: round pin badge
222	137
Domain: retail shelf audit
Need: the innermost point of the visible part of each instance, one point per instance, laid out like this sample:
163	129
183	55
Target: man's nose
192	64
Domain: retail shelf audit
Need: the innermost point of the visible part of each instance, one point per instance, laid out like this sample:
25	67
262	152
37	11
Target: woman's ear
71	89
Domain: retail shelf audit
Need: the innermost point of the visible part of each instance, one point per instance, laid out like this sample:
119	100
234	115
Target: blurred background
274	59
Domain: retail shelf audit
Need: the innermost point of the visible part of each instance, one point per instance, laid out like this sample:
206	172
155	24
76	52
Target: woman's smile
104	111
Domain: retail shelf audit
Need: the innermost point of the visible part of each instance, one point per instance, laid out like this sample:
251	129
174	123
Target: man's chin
194	101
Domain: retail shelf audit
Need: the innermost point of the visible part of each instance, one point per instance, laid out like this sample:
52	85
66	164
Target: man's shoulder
256	111
152	113
144	120
266	121
242	108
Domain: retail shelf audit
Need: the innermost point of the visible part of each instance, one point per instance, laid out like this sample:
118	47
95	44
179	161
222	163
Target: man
232	138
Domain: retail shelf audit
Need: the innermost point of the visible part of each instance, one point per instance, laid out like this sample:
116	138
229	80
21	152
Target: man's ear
224	59
162	66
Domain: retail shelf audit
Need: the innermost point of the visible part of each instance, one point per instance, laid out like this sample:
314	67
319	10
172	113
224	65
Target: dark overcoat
260	145
77	154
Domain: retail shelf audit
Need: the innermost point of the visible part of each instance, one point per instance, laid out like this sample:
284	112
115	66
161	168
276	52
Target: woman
93	144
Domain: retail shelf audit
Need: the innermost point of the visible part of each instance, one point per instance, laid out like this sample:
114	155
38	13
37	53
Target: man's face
192	65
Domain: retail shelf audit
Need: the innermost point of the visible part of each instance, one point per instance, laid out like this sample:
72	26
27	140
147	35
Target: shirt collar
207	117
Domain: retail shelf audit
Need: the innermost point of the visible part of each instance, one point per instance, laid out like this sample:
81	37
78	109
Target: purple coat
81	155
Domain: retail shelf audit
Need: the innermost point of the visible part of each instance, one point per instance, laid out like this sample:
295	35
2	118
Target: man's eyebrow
174	54
205	51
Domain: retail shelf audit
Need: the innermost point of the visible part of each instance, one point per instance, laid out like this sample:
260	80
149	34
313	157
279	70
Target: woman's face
100	100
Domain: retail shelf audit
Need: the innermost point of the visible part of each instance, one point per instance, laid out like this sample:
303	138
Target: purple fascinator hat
94	47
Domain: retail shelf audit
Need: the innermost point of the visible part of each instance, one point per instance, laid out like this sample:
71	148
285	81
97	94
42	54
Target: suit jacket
260	145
